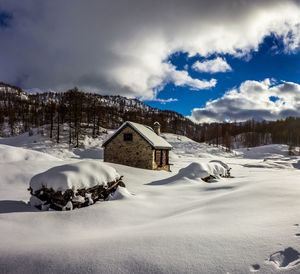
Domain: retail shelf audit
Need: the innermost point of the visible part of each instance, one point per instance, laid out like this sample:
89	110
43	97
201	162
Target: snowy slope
90	147
174	223
11	154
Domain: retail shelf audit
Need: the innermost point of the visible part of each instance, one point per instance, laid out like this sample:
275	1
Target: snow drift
119	194
196	171
247	224
10	154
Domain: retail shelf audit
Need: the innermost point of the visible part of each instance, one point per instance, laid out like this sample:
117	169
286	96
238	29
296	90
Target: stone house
138	145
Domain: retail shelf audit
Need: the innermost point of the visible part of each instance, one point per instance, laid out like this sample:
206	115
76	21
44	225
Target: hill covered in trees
20	111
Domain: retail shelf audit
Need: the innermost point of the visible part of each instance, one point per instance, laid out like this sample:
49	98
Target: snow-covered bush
205	171
74	185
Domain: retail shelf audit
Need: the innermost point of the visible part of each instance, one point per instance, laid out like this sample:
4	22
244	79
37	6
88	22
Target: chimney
156	127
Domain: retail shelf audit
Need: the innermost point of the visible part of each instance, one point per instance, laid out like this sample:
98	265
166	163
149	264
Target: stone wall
137	153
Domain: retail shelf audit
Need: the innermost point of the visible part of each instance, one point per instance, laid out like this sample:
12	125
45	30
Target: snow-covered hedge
73	185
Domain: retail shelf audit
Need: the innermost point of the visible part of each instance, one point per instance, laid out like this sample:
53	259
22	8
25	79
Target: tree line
253	133
21	111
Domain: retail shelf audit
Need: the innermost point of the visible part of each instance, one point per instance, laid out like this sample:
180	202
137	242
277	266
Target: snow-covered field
170	222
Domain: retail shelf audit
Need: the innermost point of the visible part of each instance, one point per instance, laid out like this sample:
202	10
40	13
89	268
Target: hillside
86	114
21	111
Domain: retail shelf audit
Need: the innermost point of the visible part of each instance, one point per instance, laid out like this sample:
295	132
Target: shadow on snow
10	206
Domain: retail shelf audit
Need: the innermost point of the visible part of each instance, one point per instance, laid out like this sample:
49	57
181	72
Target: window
127	136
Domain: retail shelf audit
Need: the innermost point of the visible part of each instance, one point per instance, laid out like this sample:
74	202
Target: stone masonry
137	153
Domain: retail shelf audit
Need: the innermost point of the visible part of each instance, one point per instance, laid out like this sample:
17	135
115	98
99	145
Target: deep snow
79	175
173	222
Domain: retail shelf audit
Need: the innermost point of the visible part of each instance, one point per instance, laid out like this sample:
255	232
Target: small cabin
138	145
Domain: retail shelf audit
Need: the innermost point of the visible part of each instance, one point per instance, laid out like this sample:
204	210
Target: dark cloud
121	47
5	19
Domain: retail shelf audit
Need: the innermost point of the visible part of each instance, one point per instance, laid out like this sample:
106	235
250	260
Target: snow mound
35	201
220	163
264	152
195	170
267	163
84	174
120	194
10	154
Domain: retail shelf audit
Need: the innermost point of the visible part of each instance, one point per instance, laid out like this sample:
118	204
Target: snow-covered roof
146	132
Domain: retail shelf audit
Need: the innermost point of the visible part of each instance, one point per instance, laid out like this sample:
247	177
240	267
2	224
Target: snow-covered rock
196	170
79	175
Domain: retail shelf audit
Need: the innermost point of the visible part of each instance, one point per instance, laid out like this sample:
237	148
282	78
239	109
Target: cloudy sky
217	60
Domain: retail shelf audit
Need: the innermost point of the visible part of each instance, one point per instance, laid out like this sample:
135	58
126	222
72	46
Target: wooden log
83	197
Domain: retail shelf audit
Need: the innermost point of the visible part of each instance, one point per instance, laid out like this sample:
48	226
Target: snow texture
196	171
120	193
10	154
84	174
175	222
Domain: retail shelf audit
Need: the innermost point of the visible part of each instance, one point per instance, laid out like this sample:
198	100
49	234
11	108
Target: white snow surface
167	222
120	193
79	175
10	154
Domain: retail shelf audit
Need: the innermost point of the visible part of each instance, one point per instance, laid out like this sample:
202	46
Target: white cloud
163	101
252	100
182	78
122	47
218	64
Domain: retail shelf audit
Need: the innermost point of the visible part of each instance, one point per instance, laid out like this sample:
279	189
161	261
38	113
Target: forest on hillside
21	111
253	133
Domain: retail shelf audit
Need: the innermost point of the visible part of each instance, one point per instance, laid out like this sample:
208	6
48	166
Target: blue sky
270	60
